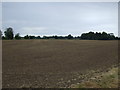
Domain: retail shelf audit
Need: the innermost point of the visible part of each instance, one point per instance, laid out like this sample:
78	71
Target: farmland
54	63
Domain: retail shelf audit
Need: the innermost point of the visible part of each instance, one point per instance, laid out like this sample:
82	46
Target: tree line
9	35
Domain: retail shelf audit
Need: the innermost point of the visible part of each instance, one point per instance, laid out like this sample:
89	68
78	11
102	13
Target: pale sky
60	18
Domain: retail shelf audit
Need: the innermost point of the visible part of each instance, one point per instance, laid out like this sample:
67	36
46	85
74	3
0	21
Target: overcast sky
58	18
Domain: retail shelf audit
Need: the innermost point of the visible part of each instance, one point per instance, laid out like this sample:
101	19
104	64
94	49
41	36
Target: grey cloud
60	18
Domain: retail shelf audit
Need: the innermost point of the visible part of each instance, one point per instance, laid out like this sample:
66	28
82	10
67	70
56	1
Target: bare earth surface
54	63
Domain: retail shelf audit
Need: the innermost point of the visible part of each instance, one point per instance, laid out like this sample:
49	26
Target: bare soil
54	63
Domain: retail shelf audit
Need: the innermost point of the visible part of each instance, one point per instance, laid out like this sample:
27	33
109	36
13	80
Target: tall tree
17	36
9	33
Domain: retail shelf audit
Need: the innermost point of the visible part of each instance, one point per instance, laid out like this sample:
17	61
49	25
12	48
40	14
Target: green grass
104	80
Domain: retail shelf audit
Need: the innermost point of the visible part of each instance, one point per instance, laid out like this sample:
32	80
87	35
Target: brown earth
54	63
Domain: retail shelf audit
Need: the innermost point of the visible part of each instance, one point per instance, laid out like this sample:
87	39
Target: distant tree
26	37
46	37
0	34
61	37
77	37
69	36
9	33
84	36
117	38
90	36
38	37
31	37
97	36
3	37
104	36
56	37
17	36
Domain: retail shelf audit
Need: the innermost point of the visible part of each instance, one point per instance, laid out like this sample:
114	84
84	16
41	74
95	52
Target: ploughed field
54	63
